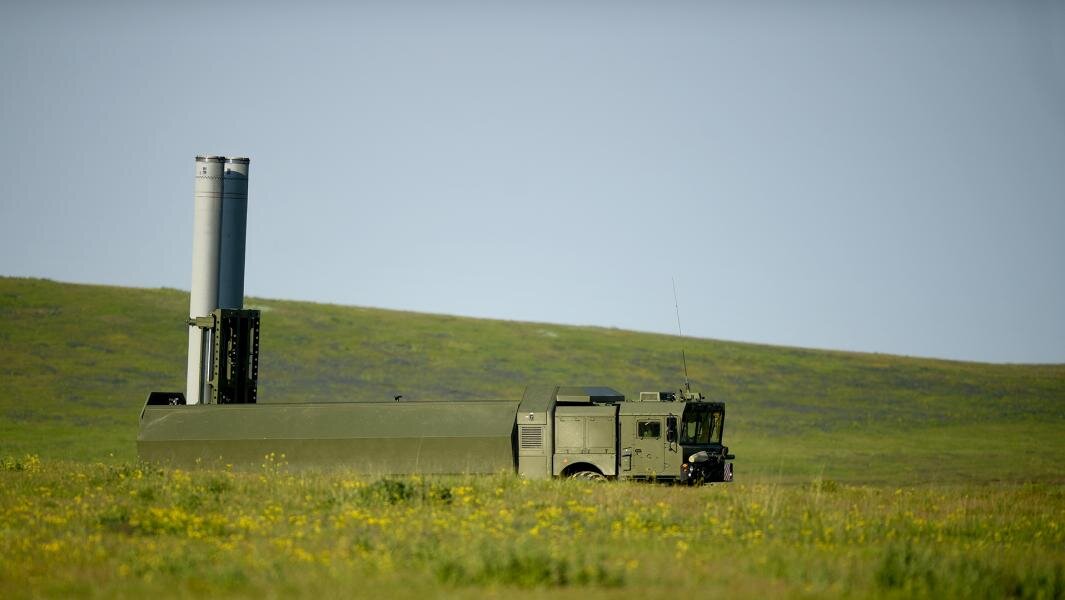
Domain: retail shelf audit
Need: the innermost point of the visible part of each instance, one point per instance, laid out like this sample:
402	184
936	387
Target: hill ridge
258	302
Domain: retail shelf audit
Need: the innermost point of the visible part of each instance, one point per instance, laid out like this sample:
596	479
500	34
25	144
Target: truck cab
673	436
705	457
595	433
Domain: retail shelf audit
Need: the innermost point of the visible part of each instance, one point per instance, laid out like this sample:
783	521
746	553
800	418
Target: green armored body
553	431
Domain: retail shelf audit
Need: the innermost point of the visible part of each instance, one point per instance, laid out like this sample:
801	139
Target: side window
715	431
649	429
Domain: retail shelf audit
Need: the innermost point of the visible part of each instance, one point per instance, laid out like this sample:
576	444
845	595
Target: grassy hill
77	361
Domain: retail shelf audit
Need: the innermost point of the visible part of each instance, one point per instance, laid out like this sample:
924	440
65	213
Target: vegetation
859	474
131	530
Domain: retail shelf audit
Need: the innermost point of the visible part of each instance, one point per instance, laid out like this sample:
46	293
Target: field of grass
858	474
79	529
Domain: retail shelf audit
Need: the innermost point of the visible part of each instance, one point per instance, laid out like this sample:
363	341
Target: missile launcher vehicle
583	432
553	431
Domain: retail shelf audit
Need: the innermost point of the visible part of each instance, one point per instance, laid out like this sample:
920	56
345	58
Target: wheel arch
580	466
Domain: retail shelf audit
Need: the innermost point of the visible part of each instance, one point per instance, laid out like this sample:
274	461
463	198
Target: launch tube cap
238	159
209	158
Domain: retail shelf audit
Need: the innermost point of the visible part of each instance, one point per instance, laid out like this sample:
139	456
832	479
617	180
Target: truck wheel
588	476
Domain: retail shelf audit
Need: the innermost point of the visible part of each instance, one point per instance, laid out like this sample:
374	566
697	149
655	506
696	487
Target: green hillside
77	361
858	475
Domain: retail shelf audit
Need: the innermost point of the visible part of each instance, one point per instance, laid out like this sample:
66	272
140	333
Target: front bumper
706	472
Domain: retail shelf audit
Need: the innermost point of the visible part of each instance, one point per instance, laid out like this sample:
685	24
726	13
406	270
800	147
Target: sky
873	176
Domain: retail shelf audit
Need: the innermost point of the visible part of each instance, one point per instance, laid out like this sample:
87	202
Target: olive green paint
539	437
371	437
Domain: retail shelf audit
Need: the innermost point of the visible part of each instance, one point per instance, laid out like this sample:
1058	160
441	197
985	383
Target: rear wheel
587	476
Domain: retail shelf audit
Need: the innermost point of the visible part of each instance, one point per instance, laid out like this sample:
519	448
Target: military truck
583	432
579	432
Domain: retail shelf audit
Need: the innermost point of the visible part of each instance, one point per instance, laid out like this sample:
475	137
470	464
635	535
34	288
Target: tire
587	476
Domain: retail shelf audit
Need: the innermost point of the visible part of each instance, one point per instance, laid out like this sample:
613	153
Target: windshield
701	425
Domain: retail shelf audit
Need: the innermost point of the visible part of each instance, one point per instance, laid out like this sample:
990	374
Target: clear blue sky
876	176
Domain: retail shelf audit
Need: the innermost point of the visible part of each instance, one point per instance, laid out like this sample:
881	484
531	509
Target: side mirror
671	429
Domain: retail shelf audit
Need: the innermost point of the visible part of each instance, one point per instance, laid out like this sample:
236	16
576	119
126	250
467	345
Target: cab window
715	427
649	429
701	426
690	429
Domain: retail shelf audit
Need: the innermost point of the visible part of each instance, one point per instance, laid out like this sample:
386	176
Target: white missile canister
234	233
206	232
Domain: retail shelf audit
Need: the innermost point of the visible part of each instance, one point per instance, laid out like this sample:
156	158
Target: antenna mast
683	359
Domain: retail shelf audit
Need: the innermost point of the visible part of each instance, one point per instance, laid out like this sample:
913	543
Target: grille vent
532	438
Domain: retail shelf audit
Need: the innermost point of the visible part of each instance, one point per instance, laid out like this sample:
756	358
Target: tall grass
131	529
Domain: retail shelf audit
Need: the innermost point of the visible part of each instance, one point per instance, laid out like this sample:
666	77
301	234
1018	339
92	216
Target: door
647	446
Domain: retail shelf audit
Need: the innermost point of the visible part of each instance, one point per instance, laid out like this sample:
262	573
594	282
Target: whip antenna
683	359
